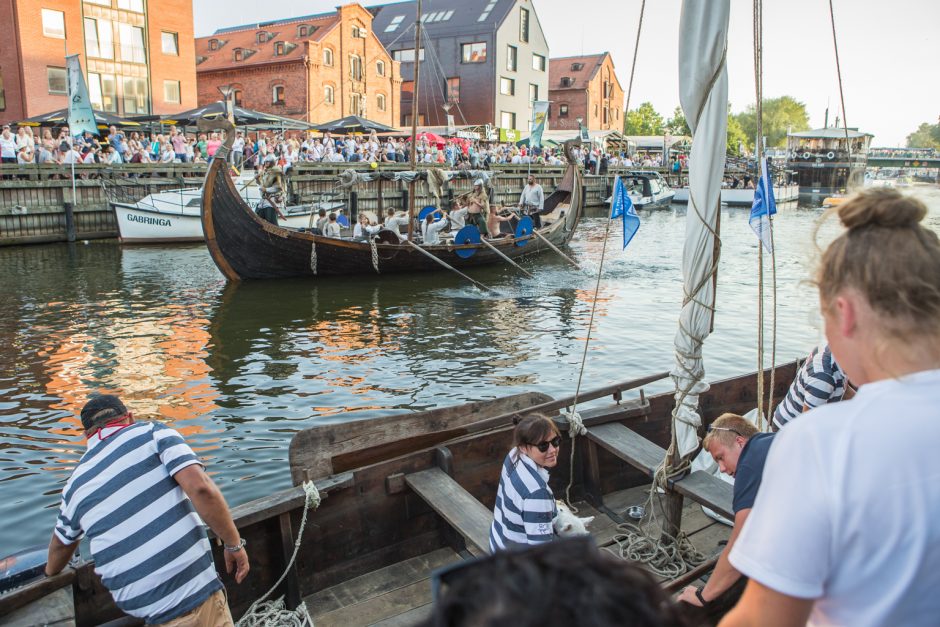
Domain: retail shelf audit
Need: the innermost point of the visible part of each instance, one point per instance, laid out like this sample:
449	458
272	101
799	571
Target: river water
238	369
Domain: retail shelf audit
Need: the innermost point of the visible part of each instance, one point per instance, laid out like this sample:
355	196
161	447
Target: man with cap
141	495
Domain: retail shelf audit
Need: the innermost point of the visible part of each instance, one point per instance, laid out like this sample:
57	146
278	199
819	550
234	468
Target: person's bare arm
762	607
59	555
209	503
724	575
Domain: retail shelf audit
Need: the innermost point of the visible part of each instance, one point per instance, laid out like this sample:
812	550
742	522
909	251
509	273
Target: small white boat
174	216
738	196
647	190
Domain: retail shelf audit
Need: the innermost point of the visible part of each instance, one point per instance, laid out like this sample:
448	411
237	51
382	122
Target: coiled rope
274	613
313	257
375	254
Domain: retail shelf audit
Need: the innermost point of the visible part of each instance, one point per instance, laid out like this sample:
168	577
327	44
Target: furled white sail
703	93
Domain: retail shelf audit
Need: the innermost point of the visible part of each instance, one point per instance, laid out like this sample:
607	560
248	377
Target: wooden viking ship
244	246
404	495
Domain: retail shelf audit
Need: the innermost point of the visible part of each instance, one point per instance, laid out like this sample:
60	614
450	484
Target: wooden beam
707	490
455	505
32	591
629	446
286	500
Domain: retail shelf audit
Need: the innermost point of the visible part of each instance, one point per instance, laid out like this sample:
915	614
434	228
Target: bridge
904	162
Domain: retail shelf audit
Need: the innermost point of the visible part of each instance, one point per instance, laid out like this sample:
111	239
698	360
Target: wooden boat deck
400	595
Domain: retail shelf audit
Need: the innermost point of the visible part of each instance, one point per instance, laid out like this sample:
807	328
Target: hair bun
516	419
886	208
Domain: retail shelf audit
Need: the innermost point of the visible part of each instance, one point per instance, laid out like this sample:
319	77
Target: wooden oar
388	450
447	265
555	248
508	260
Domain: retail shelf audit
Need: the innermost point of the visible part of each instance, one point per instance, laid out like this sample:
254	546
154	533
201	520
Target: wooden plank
454	504
30	592
708	490
379	608
414	616
633	408
629	446
55	609
292	597
285	500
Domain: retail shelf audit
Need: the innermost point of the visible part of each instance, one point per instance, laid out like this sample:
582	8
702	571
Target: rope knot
575	424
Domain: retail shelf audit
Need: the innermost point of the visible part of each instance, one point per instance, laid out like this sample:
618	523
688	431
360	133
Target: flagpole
68	92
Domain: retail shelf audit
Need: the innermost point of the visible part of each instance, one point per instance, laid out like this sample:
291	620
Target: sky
889	51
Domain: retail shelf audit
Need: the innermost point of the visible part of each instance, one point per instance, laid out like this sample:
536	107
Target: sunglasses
712	428
555	442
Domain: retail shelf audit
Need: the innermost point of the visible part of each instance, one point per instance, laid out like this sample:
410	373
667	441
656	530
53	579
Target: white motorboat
738	196
647	190
174	216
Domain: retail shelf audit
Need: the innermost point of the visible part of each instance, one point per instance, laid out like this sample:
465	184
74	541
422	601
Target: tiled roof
255	53
475	16
559	68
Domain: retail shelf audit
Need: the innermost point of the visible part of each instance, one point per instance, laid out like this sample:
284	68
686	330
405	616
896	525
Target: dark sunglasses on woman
555	442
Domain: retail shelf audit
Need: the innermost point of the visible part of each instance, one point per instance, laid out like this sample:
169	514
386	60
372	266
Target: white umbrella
703	92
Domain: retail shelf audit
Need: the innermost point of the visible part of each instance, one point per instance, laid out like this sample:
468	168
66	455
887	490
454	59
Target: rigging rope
274	613
758	151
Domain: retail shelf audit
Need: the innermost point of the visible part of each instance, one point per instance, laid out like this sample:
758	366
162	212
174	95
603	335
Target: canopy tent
353	124
243	117
546	143
103	120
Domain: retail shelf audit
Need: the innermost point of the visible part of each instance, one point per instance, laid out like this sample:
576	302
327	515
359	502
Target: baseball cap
99	409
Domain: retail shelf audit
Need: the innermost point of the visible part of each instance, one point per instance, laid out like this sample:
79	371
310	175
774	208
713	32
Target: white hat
478	182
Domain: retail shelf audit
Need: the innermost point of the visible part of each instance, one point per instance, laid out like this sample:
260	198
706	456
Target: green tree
780	115
677	124
643	121
736	136
926	136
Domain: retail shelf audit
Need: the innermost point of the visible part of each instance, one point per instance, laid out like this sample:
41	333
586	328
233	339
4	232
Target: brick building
585	87
137	55
315	68
486	60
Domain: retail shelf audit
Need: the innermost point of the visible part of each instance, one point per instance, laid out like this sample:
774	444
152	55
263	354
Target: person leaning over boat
819	381
141	495
846	525
740	451
525	505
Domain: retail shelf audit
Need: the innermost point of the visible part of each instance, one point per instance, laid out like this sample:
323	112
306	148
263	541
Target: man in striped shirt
818	382
140	495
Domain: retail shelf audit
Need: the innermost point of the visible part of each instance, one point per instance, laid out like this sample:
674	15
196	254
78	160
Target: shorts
213	612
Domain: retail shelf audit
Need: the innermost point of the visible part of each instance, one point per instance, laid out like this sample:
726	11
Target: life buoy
830	155
806	155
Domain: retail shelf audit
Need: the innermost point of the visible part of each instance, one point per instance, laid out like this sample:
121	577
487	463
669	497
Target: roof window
576	67
394	24
486	11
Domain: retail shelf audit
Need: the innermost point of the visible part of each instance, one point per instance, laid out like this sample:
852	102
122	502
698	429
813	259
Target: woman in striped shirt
525	505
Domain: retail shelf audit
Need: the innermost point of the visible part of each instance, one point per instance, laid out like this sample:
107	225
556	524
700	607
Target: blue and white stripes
525	505
818	382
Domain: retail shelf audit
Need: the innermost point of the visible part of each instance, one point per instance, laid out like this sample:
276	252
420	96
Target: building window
577	67
533	93
3	95
279	49
98	38
238	54
261	37
277	96
380	66
358	32
355	104
53	23
328	94
563	111
538	62
171	92
407	55
355	67
327	56
473	53
512	58
394	24
524	25
102	92
380	101
486	11
567	81
237	97
595	110
135	95
132	43
453	89
407	91
302	30
55	76
104	3
507	119
507	86
213	44
606	115
131	5
169	42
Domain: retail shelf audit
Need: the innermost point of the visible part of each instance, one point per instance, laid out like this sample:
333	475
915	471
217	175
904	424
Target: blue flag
763	207
622	207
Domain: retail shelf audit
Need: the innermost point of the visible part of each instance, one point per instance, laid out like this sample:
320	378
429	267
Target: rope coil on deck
274	613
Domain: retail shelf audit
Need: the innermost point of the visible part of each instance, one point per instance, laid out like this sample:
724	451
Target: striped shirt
818	382
148	543
525	505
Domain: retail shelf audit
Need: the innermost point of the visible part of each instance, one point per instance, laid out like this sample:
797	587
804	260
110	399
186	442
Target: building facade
316	68
483	62
585	87
137	55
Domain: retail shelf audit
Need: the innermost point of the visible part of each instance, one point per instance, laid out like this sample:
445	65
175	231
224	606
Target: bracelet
238	547
698	593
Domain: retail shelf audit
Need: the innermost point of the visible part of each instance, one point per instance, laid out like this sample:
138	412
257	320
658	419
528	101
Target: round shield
522	229
469	234
425	211
343	221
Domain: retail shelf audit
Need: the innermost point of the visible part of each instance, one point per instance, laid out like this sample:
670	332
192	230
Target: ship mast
414	122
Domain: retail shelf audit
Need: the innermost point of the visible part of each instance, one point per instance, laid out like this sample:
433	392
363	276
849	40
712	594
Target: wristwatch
238	547
698	593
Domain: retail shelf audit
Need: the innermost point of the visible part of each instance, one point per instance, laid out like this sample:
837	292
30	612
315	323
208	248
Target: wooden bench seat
628	445
708	490
462	511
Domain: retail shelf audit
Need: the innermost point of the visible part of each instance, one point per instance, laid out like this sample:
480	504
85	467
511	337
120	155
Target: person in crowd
478	206
458	215
238	149
332	228
268	208
212	145
364	229
394	220
525	505
846	526
141	496
178	141
68	154
116	139
820	380
44	156
740	451
201	146
560	584
7	145
431	229
167	153
322	221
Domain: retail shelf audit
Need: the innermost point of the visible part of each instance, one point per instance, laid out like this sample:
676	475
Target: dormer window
575	67
279	49
261	37
239	54
566	81
302	30
213	44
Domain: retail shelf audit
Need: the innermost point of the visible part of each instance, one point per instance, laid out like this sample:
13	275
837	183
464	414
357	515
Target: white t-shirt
848	512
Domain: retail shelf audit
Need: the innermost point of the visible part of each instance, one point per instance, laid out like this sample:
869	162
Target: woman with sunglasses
845	529
525	505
